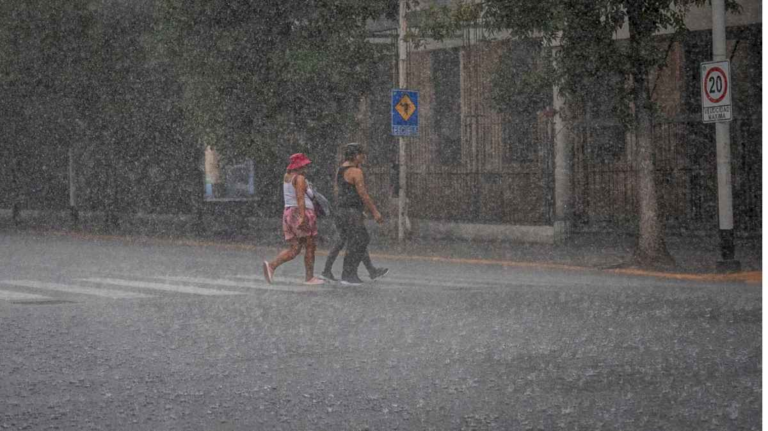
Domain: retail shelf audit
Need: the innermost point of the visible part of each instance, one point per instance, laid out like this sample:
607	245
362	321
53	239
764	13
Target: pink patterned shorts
291	227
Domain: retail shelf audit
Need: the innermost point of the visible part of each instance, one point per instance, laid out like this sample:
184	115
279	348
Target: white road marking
115	294
399	282
17	296
249	277
162	286
255	284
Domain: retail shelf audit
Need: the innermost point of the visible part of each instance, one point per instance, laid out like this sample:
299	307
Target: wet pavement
696	254
114	333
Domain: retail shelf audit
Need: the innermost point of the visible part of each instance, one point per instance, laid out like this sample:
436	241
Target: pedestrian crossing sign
405	113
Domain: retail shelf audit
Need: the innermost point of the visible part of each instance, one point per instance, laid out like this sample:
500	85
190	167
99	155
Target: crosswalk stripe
162	286
8	295
437	282
406	282
254	284
115	294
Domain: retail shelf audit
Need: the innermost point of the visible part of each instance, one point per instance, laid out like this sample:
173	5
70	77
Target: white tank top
289	195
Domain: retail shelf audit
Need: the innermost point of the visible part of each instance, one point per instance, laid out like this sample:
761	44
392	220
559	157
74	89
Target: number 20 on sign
716	92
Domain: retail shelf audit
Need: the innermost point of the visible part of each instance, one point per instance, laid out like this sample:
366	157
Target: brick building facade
471	163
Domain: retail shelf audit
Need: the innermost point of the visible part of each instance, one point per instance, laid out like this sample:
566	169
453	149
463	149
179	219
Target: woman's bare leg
288	254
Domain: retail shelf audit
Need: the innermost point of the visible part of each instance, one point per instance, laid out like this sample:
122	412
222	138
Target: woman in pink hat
299	220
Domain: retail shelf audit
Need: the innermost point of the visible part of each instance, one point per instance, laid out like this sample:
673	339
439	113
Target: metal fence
483	186
486	188
686	178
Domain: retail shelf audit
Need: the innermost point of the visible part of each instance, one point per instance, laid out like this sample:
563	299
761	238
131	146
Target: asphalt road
104	334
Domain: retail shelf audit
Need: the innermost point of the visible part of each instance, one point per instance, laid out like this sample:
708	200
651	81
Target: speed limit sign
716	91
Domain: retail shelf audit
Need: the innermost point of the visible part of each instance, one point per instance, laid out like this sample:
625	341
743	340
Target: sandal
268	272
314	281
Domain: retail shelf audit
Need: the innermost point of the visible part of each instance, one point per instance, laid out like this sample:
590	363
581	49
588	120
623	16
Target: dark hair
352	150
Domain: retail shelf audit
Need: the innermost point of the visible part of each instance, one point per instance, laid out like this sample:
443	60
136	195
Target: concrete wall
483	232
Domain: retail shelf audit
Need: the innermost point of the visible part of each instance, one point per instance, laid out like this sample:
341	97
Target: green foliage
601	76
589	66
521	83
285	74
589	62
84	76
138	89
443	22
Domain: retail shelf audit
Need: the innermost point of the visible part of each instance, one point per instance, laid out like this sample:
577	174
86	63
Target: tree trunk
651	249
73	211
16	206
15	185
112	200
197	187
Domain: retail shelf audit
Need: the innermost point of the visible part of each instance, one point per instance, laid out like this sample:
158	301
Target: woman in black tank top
352	198
348	196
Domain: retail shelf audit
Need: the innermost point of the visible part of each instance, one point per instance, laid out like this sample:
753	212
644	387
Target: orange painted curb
750	277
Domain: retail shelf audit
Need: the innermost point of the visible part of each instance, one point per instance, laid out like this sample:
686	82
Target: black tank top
348	197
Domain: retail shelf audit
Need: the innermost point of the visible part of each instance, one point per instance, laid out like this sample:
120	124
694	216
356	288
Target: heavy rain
381	215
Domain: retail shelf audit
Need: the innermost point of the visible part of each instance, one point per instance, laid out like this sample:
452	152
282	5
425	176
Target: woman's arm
300	184
359	181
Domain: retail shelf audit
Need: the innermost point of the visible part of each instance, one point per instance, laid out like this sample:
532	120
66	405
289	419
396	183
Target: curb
747	277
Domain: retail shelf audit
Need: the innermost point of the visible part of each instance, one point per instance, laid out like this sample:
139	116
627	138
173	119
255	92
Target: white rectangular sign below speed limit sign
716	92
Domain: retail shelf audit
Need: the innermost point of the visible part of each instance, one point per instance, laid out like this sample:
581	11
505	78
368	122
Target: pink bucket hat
298	160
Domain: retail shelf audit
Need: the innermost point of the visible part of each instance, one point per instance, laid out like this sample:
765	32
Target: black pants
336	249
350	223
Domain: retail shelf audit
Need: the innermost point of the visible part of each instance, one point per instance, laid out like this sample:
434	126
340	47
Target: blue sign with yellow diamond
405	113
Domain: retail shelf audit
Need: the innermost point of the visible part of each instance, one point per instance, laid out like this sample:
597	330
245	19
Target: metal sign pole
401	140
723	139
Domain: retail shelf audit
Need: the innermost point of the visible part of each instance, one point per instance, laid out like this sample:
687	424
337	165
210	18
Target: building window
520	90
606	132
382	146
607	143
518	138
446	113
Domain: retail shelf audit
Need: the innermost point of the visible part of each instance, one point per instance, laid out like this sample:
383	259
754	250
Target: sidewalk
692	254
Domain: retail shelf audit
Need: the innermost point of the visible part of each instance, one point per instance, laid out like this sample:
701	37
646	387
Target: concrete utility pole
402	78
723	139
563	171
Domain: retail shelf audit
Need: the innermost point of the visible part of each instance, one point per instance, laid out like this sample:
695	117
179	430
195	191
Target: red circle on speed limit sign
715	84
